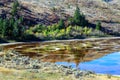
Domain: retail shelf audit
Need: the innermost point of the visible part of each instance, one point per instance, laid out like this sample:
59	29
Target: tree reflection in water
74	51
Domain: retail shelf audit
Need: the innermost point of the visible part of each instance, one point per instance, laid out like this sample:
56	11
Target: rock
74	69
67	72
15	53
36	66
1	59
46	64
25	60
64	66
85	73
2	53
17	62
78	74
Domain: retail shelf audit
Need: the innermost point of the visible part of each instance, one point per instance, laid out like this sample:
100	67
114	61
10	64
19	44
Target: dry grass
12	74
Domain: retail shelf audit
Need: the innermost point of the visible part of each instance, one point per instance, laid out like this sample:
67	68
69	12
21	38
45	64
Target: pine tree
15	30
1	23
4	28
77	16
15	7
98	25
61	24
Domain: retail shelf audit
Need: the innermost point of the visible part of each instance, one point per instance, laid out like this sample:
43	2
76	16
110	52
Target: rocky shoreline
13	60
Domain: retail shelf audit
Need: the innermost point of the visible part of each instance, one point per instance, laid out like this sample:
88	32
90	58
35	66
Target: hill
107	11
48	12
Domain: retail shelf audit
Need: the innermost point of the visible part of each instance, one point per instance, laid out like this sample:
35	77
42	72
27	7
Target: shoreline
68	40
26	65
86	72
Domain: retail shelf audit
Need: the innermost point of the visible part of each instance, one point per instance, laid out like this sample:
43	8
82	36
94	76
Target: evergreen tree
78	19
83	22
4	28
98	25
61	24
12	27
77	16
15	7
15	30
1	23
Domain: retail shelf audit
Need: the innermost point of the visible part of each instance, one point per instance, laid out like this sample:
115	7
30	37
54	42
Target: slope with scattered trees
70	27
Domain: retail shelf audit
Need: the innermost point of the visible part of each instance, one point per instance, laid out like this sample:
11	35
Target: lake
100	56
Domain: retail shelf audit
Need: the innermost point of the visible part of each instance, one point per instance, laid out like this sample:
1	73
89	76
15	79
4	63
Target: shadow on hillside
105	30
109	21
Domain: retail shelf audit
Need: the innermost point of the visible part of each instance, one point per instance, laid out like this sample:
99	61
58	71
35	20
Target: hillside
107	12
37	18
49	11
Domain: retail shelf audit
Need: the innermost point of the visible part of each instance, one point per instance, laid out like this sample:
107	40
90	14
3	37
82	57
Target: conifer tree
1	22
14	8
4	28
98	25
61	24
77	16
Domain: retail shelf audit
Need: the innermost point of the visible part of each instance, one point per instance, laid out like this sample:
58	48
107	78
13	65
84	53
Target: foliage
77	16
53	32
14	8
12	27
98	25
87	30
61	24
78	19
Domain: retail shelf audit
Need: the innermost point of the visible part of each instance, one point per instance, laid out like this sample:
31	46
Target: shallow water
93	55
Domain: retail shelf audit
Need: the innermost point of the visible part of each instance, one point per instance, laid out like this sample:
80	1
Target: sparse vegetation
13	27
77	28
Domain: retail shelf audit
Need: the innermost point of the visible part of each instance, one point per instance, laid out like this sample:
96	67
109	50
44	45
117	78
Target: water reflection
69	51
109	64
85	55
